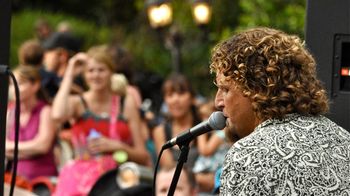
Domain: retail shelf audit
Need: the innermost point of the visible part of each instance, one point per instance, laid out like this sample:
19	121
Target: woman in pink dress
103	123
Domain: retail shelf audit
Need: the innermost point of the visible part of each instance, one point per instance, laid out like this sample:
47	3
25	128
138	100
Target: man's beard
230	133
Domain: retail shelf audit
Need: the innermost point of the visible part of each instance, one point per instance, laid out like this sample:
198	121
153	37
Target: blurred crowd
83	116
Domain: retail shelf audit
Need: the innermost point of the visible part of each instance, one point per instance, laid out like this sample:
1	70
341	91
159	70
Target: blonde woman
112	119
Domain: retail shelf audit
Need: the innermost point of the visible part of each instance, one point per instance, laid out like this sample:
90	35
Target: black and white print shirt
299	155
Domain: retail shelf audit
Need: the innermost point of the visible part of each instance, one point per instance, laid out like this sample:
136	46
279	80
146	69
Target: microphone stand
5	28
185	148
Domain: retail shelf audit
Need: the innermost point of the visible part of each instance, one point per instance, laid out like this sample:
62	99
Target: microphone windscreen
217	120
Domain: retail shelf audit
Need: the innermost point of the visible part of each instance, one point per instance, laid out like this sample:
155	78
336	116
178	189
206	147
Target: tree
126	22
287	15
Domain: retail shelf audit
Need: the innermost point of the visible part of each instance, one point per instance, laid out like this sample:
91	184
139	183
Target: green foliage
148	51
224	18
128	25
148	46
287	15
22	29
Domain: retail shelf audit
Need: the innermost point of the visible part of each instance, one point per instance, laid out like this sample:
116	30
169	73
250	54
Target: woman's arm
208	145
41	143
167	159
64	106
137	152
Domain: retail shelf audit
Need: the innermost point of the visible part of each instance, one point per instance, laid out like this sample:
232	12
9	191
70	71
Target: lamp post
173	43
160	16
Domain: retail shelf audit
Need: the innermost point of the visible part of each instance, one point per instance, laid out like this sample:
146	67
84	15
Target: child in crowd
212	149
186	186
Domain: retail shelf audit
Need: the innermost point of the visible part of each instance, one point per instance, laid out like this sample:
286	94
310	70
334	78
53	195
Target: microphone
216	121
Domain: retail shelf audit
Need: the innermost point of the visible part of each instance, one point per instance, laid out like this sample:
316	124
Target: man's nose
219	101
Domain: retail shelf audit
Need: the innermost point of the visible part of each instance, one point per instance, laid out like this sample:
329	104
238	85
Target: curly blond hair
274	70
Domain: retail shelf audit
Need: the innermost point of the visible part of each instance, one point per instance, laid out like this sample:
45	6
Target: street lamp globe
159	14
201	11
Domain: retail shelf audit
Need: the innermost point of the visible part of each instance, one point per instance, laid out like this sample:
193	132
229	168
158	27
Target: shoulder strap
83	101
122	103
113	133
168	131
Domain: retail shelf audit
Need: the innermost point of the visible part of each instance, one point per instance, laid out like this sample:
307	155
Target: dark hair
274	70
179	83
123	61
65	40
32	74
31	53
185	170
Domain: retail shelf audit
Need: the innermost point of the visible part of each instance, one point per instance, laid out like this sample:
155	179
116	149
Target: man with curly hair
269	92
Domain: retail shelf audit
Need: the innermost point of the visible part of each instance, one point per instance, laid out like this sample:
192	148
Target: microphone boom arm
216	121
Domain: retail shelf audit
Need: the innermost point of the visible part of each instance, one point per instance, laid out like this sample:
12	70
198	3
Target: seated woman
212	148
182	114
111	119
37	130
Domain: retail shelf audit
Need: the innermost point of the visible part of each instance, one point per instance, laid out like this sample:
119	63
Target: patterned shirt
299	155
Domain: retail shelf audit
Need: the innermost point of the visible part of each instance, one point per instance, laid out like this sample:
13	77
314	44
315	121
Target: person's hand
77	63
103	145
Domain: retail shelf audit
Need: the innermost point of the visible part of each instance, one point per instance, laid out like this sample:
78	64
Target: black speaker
328	38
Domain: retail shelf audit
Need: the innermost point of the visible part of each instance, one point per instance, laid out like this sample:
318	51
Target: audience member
58	49
212	149
186	185
42	29
31	53
37	129
269	91
64	26
112	119
182	115
124	65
